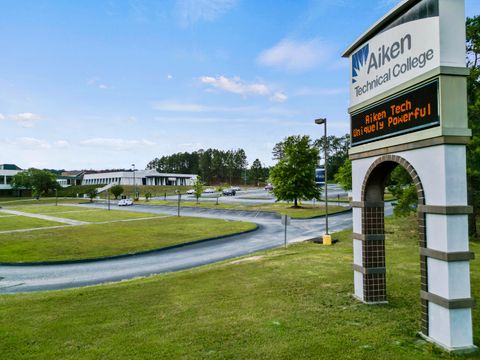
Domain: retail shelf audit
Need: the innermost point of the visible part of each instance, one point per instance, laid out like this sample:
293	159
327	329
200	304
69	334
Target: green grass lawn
280	304
90	241
101	216
6	202
305	212
83	213
49	209
23	222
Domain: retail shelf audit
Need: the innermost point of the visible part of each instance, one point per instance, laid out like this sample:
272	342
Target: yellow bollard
327	239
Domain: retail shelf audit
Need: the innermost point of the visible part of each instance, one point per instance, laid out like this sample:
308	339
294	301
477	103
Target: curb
207	208
347	209
322	216
79	261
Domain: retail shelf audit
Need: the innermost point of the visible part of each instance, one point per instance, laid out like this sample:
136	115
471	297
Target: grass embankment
84	214
294	303
304	212
91	241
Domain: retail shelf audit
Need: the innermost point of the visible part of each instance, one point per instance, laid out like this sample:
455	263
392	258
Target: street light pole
134	183
179	198
326	238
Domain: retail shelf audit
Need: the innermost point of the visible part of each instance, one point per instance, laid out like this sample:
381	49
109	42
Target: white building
140	177
7	171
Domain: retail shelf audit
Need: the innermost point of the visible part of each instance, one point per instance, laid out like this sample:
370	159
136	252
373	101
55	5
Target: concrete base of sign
453	350
369	303
438	173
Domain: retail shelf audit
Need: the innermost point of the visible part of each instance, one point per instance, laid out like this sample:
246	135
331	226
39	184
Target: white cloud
235	85
61	144
33	143
96	82
26	119
169	77
117	143
191	11
279	97
178	107
2	117
296	55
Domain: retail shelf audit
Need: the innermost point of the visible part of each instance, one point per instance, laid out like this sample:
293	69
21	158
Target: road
14	279
251	196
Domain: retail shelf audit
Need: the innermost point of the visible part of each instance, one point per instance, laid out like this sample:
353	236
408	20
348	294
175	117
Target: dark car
229	192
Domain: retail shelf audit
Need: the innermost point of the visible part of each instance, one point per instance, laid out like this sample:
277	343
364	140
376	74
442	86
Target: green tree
406	201
116	191
92	194
400	184
344	175
473	92
39	181
256	172
293	176
198	188
337	148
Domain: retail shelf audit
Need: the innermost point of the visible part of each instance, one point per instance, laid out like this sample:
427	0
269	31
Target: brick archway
373	231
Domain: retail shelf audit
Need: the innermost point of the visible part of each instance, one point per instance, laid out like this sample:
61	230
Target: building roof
73	173
9	167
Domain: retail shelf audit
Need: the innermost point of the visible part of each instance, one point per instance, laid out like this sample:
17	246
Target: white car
190	192
209	191
125	202
236	188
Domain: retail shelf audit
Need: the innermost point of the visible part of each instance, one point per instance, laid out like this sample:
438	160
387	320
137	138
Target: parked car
209	191
125	202
229	192
269	187
236	188
190	192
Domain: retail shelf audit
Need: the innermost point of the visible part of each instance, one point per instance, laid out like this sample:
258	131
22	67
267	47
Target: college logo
359	59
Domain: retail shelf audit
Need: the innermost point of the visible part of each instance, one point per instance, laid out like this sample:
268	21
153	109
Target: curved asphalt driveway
269	235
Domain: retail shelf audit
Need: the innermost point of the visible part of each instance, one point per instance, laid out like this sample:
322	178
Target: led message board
413	110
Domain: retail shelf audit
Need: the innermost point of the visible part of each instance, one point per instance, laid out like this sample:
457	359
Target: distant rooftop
9	167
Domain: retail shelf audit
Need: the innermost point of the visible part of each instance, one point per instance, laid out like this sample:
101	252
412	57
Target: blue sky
104	84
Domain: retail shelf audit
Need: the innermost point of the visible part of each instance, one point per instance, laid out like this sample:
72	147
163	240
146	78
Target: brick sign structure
408	107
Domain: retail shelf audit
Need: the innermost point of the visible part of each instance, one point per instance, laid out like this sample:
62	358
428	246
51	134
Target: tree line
212	165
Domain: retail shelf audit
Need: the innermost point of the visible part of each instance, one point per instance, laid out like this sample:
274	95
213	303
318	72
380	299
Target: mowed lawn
306	211
292	303
117	238
84	213
49	200
47	209
9	222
